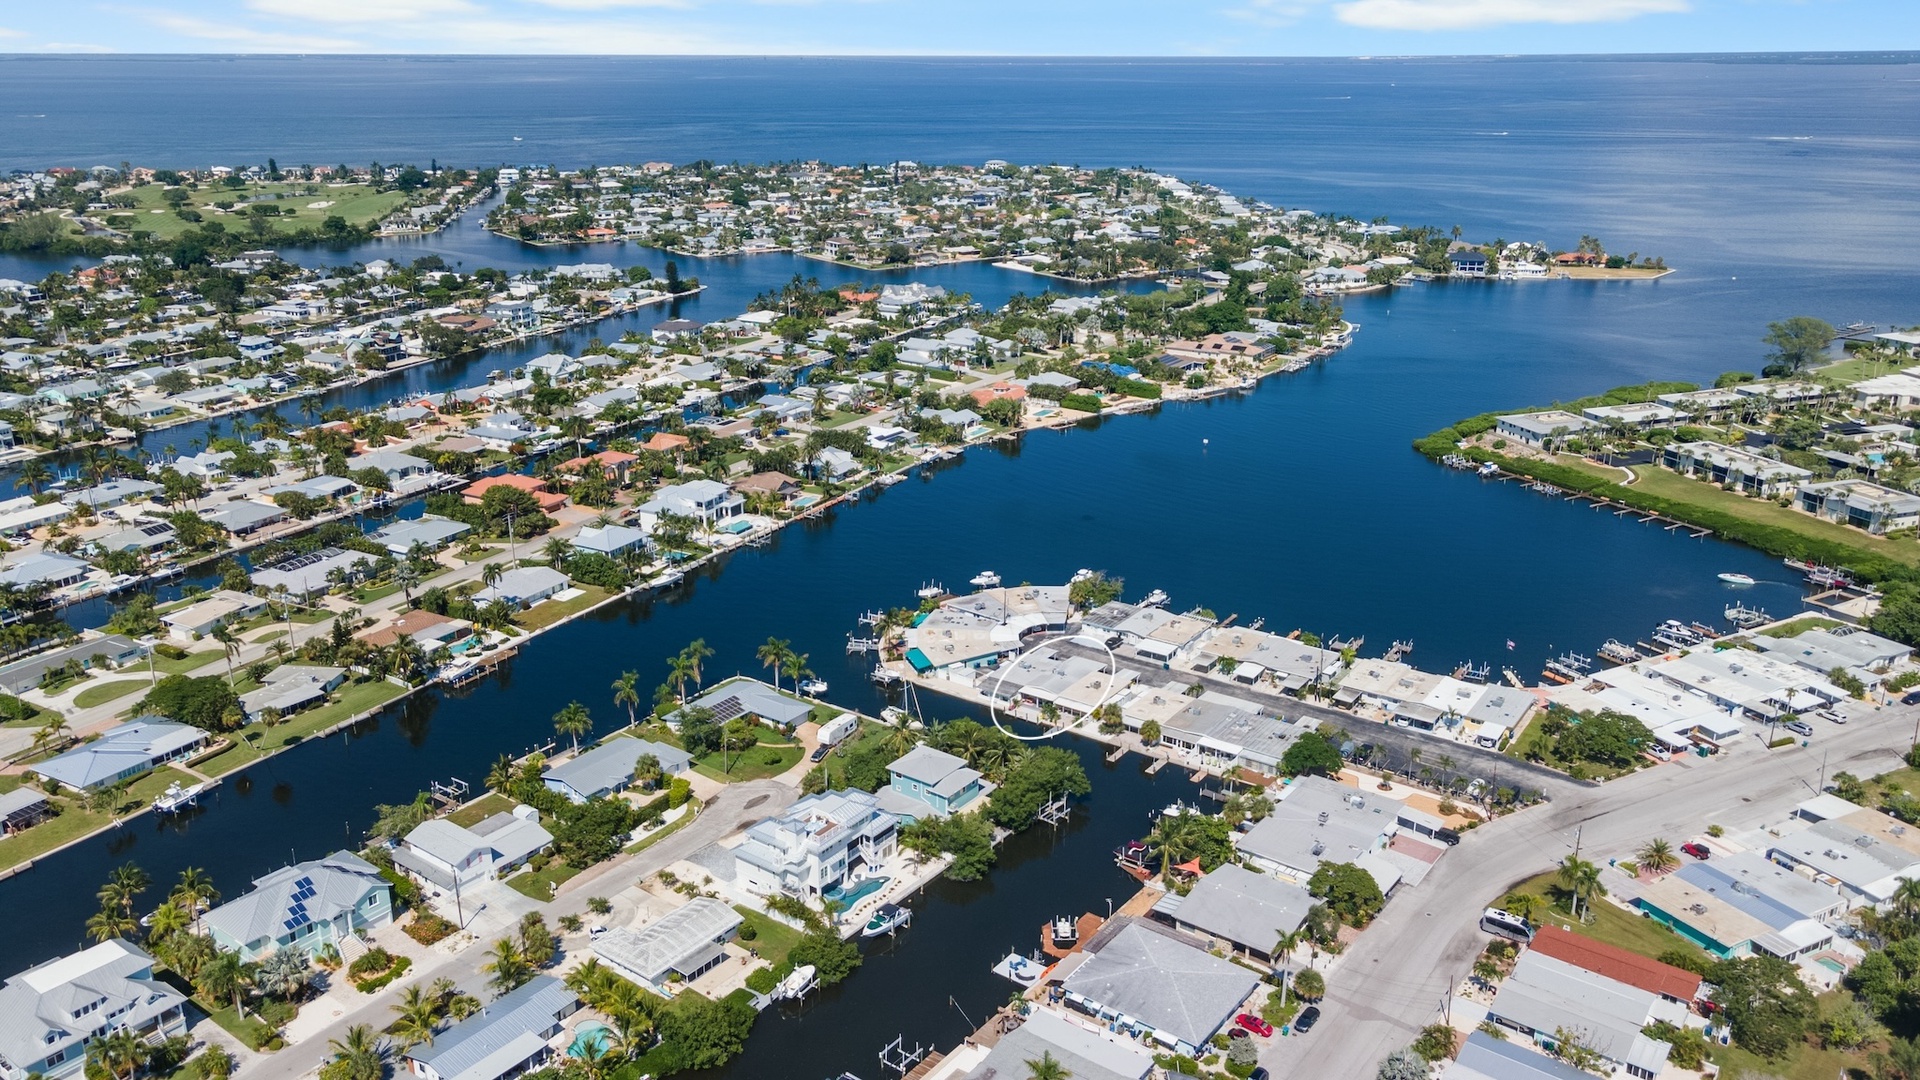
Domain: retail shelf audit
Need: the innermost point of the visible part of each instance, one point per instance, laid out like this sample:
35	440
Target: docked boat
1566	668
889	918
1079	576
886	677
854	495
1064	931
178	797
1154	599
671	577
1133	857
796	984
1737	579
890	479
985	579
816	687
930	590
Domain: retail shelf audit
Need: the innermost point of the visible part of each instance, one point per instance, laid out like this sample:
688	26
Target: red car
1254	1024
1698	851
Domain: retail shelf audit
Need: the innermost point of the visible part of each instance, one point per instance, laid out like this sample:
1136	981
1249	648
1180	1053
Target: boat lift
896	1057
1056	811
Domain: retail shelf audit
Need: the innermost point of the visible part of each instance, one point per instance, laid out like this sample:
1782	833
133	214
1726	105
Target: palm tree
679	670
1907	897
1656	856
1047	1067
120	1052
1524	904
126	883
695	652
216	1063
285	974
772	655
509	969
419	1013
406	577
626	692
797	670
51	732
362	1053
35	473
194	891
557	550
500	776
490	574
225	637
647	771
167	920
109	923
1581	878
226	975
573	720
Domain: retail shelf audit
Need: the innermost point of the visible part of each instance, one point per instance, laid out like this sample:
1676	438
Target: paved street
1391	982
735	808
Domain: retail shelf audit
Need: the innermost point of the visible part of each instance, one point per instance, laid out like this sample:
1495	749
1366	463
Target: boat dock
1599	502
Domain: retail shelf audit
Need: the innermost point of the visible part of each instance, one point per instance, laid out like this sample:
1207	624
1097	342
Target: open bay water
1777	188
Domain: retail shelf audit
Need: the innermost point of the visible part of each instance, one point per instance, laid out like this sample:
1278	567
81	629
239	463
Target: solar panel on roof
727	709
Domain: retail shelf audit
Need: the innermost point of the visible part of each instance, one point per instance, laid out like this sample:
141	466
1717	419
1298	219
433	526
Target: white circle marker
993	709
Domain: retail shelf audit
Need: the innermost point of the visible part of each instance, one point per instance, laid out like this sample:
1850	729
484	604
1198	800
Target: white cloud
8	32
1473	14
247	38
362	11
1269	13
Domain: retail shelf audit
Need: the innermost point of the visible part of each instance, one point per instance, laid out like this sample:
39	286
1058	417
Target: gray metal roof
526	1012
926	764
1087	1055
39	1007
1157	978
677	941
1545	994
280	903
1487	1058
134	744
607	766
1249	909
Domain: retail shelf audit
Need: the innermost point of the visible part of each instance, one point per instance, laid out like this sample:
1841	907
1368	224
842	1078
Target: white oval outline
1000	678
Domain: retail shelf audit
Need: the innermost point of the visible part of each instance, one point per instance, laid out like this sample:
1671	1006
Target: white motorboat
1736	579
886	920
930	590
178	797
1064	931
1079	576
798	982
1154	599
816	687
985	579
1488	469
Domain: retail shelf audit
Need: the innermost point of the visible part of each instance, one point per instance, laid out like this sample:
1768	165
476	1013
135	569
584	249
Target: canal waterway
1778	188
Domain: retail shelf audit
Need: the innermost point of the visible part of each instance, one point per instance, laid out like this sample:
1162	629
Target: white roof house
444	854
524	586
202	617
133	748
49	1013
1319	821
687	941
305	906
819	843
1239	909
1152	979
1544	995
507	1037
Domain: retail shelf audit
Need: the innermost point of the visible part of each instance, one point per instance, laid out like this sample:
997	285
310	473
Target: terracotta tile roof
666	441
1616	963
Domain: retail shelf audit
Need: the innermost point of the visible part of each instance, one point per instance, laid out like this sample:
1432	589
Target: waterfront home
927	782
430	630
1485	1057
612	465
396	466
524	586
1784	393
666	333
1709	404
1865	855
316	487
93	651
1861	504
674	949
666	442
612	541
1749	683
1235	909
290	688
776	485
1544	996
1083	1052
1156	984
1744	905
784	409
1744	469
21	809
1154	633
311	572
707	501
835	465
1536	429
243	517
510	1036
111	493
1639	414
1319	821
1860	653
997	391
22	515
431	533
1900	390
307	906
454	856
1467	264
1496	714
968	632
49	569
53	1011
132	749
557	367
819	845
202	617
1679	722
542	492
607	769
1214	729
750	697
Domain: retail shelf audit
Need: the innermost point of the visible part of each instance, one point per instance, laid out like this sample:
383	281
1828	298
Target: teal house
927	782
306	906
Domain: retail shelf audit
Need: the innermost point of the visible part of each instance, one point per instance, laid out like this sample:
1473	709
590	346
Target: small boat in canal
796	984
1133	857
178	797
886	920
1064	931
816	687
985	579
1736	579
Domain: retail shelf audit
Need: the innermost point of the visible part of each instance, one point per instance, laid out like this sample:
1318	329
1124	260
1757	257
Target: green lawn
258	740
1854	369
552	611
102	692
1805	1062
251	1031
187	663
662	833
1610	924
480	809
774	940
836	763
756	764
540	884
73	823
358	203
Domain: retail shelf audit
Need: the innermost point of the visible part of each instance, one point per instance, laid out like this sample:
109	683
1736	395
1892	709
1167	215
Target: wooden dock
1599	502
1117	753
1158	764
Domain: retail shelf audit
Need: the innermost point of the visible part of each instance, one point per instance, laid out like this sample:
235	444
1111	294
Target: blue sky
993	27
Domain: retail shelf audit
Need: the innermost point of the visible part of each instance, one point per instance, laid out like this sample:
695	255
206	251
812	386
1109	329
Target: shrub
761	980
1081	403
371	962
378	982
427	928
748	932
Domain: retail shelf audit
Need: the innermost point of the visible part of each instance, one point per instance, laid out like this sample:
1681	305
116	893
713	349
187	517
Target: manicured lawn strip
664	831
102	692
348	700
74	823
189	662
774	940
1800	626
1610	923
546	614
480	809
250	1031
749	764
539	884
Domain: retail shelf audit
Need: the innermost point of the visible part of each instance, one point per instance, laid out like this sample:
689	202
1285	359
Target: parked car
1259	1073
1698	851
1912	698
1799	727
819	754
1254	1024
1448	837
1831	716
1308	1017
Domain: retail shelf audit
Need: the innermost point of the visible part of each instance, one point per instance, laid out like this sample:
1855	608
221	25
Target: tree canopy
1311	753
205	702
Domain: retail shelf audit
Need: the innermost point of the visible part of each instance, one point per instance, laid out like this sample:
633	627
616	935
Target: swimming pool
737	527
593	1034
1831	964
846	898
